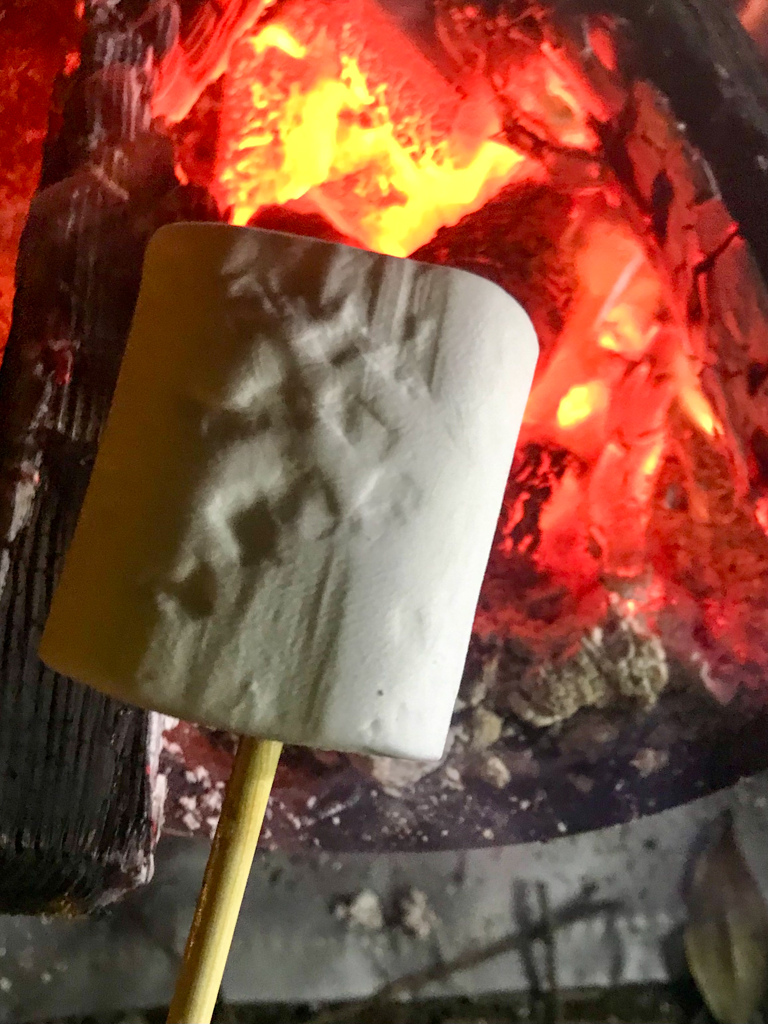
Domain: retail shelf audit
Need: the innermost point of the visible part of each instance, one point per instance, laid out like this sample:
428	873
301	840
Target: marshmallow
296	492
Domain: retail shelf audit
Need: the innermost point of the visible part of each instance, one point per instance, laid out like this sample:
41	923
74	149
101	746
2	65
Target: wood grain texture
75	823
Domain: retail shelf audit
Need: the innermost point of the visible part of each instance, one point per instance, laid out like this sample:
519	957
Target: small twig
411	984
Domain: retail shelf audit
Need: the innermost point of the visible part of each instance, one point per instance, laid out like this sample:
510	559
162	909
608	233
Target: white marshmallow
296	492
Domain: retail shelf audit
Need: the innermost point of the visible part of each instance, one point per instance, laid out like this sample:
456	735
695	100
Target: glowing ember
620	366
754	15
306	117
279	37
334	111
761	512
697	407
553	99
651	461
580	402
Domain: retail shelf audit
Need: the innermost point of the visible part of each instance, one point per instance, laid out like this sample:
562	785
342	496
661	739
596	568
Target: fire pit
576	154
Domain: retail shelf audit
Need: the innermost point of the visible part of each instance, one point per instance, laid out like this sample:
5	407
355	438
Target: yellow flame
581	402
281	39
609	341
335	139
696	406
623	332
651	461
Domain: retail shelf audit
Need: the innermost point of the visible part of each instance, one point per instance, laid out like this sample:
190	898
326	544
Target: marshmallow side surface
296	492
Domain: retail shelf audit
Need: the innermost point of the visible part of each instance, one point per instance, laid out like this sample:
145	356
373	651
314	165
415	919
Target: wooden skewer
226	874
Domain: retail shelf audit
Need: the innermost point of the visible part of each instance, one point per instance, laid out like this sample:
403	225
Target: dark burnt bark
75	821
698	55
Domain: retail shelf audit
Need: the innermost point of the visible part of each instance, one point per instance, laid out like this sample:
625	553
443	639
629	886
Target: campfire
560	154
487	140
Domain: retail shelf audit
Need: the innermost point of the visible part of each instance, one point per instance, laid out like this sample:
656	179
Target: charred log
75	822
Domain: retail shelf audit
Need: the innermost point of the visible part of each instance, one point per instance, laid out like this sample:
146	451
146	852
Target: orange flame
614	327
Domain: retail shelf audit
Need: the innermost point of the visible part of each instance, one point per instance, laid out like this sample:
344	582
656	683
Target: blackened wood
75	823
698	55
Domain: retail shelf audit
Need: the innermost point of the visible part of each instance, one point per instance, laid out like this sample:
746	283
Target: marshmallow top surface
296	491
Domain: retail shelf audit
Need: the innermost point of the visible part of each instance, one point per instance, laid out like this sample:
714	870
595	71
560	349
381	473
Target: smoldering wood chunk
74	813
515	241
294	220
